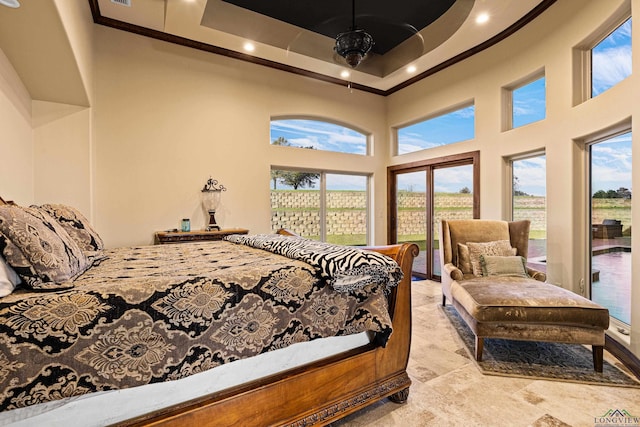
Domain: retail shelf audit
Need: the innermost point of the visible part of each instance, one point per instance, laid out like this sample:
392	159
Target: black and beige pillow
76	225
39	249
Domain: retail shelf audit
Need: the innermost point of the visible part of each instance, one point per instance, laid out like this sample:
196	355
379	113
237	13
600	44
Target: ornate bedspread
157	313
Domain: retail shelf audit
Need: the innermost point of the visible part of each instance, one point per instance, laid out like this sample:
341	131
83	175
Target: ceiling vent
122	2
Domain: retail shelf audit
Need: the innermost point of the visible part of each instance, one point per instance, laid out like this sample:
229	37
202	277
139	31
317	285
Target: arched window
318	135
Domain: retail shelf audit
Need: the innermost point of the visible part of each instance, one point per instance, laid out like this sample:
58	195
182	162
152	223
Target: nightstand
163	237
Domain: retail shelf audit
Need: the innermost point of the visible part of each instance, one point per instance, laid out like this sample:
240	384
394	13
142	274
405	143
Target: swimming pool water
613	290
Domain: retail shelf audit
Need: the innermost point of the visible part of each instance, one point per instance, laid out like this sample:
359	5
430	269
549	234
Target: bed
128	319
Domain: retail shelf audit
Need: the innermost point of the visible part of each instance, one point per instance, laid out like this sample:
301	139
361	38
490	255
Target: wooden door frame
429	165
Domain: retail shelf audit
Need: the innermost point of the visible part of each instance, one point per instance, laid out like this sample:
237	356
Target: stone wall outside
299	211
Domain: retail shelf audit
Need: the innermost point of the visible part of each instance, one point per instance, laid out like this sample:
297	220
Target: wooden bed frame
317	393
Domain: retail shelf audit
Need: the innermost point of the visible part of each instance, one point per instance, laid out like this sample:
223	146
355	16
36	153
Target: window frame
509	204
471	158
322	191
440	113
507	98
582	64
367	135
588	142
508	161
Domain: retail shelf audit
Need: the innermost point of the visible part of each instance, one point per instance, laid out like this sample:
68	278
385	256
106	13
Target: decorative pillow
39	249
503	266
496	248
76	225
464	262
8	278
15	259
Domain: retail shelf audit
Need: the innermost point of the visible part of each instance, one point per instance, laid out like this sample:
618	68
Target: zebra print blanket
345	268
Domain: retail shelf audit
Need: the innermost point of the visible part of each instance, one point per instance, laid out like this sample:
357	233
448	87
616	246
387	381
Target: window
323	206
528	201
610	221
318	135
526	102
448	128
611	59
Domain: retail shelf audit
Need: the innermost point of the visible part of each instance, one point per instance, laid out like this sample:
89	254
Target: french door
422	193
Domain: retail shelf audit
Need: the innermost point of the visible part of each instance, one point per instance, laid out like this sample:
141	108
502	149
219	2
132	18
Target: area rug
537	360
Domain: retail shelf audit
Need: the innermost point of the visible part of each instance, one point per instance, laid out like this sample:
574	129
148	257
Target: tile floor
448	390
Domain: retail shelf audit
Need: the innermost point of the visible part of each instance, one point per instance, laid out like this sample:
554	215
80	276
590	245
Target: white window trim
323	198
582	52
443	112
507	96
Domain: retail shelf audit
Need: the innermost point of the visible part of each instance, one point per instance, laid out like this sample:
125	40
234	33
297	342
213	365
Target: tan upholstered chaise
508	307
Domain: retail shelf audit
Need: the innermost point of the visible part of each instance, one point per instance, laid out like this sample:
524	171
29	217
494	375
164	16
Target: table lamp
211	200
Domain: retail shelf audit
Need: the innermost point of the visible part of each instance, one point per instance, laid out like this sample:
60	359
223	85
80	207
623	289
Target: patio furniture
609	229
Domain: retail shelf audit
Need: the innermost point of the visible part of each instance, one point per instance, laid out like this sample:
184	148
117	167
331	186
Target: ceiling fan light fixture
353	46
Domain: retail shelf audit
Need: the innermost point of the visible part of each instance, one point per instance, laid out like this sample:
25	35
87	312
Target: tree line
620	193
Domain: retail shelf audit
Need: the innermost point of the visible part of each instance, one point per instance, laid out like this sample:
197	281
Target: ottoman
525	309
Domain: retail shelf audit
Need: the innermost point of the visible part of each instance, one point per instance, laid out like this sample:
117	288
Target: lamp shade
211	199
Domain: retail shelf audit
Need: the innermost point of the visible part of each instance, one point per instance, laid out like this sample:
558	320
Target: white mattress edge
103	408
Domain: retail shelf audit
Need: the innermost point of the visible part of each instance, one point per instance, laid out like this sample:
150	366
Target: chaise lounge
485	277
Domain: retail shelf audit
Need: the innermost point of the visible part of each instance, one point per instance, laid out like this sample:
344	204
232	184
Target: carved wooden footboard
317	393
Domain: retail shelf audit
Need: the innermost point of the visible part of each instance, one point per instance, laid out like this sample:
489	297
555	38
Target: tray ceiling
413	38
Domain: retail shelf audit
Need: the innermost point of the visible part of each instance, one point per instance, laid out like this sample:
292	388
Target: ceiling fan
380	39
355	44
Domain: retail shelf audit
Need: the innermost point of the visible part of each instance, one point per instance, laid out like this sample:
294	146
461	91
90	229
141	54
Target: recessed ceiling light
411	69
249	47
482	18
345	74
10	3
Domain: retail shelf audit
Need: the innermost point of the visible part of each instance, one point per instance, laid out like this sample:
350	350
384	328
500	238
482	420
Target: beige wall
46	146
548	43
168	117
62	159
78	25
16	144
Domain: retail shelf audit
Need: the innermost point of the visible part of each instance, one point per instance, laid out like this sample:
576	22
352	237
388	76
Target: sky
531	175
611	60
611	63
611	164
529	103
319	135
327	137
445	129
